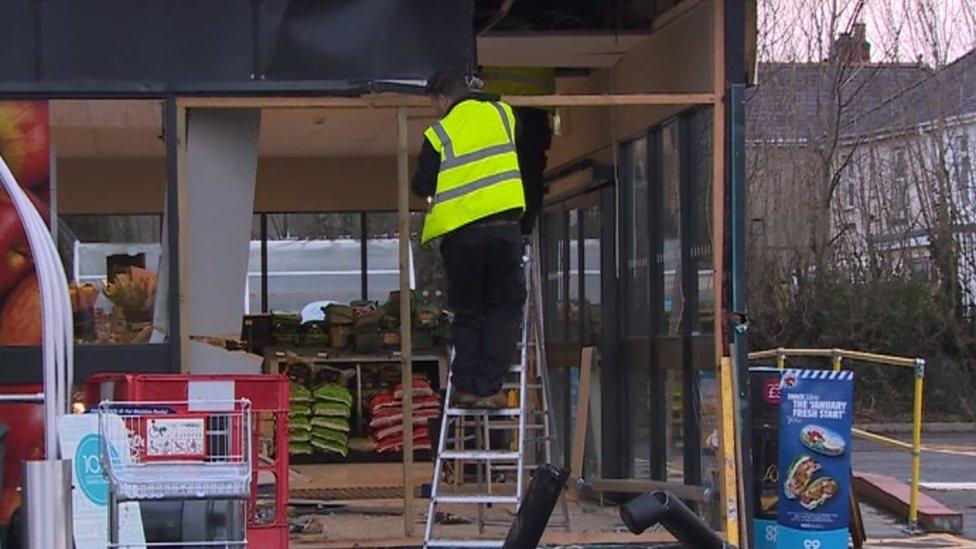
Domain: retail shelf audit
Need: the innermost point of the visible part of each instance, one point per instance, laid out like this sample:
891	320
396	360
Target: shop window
635	304
316	258
428	268
113	262
591	275
554	263
633	216
382	255
699	178
313	258
668	261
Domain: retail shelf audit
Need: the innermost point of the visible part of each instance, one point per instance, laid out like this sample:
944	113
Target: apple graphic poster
816	409
25	144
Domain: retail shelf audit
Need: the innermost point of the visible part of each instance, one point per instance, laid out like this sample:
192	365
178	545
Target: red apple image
25	141
20	318
15	256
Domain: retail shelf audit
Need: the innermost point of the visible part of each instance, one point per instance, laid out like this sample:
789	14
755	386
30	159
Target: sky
935	31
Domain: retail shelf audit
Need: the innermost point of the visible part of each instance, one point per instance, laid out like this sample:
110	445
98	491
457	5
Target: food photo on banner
816	410
25	142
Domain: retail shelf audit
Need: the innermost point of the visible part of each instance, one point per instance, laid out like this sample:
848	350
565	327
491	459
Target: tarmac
948	475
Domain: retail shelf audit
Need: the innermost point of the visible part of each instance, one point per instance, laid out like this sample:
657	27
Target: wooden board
587	359
357	475
419	102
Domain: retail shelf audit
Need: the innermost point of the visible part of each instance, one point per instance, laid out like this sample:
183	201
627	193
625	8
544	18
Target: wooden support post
576	459
728	393
406	346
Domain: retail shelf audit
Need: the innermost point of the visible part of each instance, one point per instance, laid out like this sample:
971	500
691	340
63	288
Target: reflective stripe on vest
479	173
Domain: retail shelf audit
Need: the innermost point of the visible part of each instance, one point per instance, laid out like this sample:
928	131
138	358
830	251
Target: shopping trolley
177	451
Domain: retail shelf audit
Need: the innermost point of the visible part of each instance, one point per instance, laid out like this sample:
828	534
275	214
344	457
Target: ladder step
508	426
477	412
477	498
481	455
463	543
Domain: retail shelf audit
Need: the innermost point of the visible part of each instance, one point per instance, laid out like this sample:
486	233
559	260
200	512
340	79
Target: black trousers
486	291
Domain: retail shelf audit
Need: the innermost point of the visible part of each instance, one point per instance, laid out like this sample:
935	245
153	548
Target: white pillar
221	168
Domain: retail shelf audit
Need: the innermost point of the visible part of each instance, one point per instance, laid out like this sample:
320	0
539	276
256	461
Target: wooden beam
732	499
587	355
623	100
406	345
398	100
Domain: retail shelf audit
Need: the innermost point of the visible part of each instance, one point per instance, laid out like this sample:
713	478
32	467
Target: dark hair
450	83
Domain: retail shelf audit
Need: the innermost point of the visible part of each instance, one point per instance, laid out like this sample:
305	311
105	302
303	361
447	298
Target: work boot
463	399
492	402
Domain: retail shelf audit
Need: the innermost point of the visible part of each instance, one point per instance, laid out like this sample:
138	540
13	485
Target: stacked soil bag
386	423
299	420
329	425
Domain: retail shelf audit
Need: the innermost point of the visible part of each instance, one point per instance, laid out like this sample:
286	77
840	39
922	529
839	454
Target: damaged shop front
238	203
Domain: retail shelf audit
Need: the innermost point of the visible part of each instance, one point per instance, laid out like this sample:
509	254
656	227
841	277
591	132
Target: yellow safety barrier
917	364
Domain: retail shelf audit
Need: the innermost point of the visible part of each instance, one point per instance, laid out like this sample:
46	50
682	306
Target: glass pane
382	255
635	304
313	259
668	271
591	259
428	266
252	286
555	235
573	325
124	252
634	224
668	262
700	163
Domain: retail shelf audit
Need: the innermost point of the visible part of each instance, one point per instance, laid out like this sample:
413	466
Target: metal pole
264	263
835	359
916	445
780	358
406	345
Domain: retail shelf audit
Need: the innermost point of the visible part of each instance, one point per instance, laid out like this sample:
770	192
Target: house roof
799	101
947	93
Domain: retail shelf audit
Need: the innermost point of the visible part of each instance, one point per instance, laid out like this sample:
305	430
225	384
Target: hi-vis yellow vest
479	172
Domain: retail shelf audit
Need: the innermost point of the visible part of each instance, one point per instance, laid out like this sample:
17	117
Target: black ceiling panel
16	40
147	47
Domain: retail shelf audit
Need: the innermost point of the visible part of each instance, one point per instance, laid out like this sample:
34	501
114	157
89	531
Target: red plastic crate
269	396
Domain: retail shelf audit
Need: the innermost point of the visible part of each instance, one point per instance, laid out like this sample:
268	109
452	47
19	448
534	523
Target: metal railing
836	357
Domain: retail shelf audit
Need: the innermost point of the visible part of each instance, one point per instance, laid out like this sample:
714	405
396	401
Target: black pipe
533	515
662	507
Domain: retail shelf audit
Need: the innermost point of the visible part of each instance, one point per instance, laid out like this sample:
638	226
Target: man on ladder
468	170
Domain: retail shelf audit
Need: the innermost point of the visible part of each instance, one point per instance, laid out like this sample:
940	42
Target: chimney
853	47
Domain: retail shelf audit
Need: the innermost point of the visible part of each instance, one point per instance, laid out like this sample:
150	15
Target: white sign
81	444
175	437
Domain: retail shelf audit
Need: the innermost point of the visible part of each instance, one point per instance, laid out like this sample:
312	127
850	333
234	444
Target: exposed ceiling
550	15
574	49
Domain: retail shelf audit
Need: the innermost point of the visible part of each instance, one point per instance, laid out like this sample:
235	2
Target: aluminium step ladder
492	488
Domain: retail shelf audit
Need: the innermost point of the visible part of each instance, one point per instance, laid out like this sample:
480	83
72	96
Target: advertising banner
81	443
765	394
25	142
816	410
